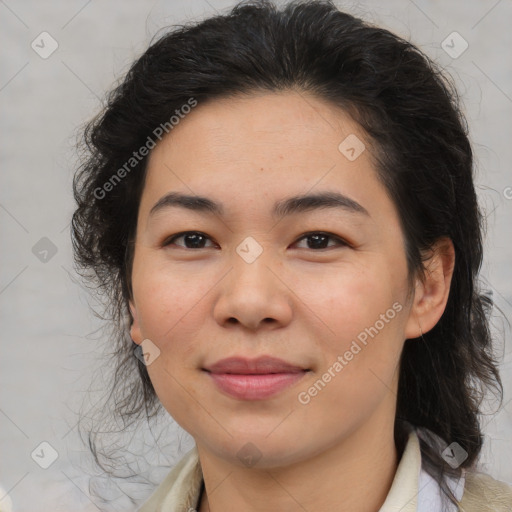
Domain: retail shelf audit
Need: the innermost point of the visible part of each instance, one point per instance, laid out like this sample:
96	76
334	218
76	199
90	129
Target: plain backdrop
49	348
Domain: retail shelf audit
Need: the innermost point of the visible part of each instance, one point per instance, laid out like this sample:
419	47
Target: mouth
254	379
259	366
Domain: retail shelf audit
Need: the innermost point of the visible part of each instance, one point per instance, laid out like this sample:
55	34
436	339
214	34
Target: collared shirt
412	489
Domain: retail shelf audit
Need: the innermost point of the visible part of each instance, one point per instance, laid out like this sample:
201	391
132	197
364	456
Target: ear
431	292
135	332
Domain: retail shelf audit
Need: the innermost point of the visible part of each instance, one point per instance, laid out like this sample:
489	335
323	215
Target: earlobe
431	293
135	332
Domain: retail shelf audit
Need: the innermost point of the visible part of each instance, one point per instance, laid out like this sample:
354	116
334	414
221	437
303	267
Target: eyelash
341	241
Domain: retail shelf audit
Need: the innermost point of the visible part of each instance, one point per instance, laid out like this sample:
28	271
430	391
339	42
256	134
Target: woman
280	207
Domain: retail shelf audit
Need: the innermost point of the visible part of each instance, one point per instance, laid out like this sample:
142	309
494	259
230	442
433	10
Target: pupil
318	241
196	240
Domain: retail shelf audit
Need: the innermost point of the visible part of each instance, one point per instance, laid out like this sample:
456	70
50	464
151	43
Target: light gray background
48	351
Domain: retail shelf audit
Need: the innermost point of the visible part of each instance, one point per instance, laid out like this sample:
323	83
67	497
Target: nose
254	296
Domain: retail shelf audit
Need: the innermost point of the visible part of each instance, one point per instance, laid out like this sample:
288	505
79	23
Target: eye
315	240
191	239
319	240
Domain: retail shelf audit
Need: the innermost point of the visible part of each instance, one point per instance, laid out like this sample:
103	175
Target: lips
254	379
261	365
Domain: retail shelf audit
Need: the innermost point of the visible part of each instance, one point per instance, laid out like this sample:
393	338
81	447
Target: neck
354	475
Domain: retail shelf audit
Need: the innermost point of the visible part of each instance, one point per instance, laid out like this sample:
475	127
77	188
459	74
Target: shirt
412	489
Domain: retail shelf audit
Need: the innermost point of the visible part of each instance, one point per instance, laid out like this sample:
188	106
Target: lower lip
255	387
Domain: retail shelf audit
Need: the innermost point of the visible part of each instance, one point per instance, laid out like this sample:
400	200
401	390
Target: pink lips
254	379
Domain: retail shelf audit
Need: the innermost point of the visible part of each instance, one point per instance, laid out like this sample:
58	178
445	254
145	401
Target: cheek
352	300
171	312
166	302
365	316
170	316
359	361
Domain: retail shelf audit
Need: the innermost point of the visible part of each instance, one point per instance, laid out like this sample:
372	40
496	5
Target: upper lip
260	365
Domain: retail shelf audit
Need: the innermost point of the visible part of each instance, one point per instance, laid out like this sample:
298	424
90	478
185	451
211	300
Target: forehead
265	145
278	121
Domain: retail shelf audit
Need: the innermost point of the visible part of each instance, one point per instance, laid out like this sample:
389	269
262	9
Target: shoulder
483	493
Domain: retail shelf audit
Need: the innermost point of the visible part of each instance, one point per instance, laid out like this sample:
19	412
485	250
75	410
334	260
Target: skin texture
296	302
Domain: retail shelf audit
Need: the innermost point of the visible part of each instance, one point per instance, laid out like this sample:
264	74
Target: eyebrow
282	208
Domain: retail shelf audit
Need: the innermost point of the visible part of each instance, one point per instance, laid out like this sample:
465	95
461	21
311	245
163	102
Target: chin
258	450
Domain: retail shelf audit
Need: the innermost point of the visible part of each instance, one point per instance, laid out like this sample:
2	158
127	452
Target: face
319	284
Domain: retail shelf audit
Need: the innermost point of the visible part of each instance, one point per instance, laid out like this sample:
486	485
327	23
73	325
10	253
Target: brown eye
320	240
191	240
